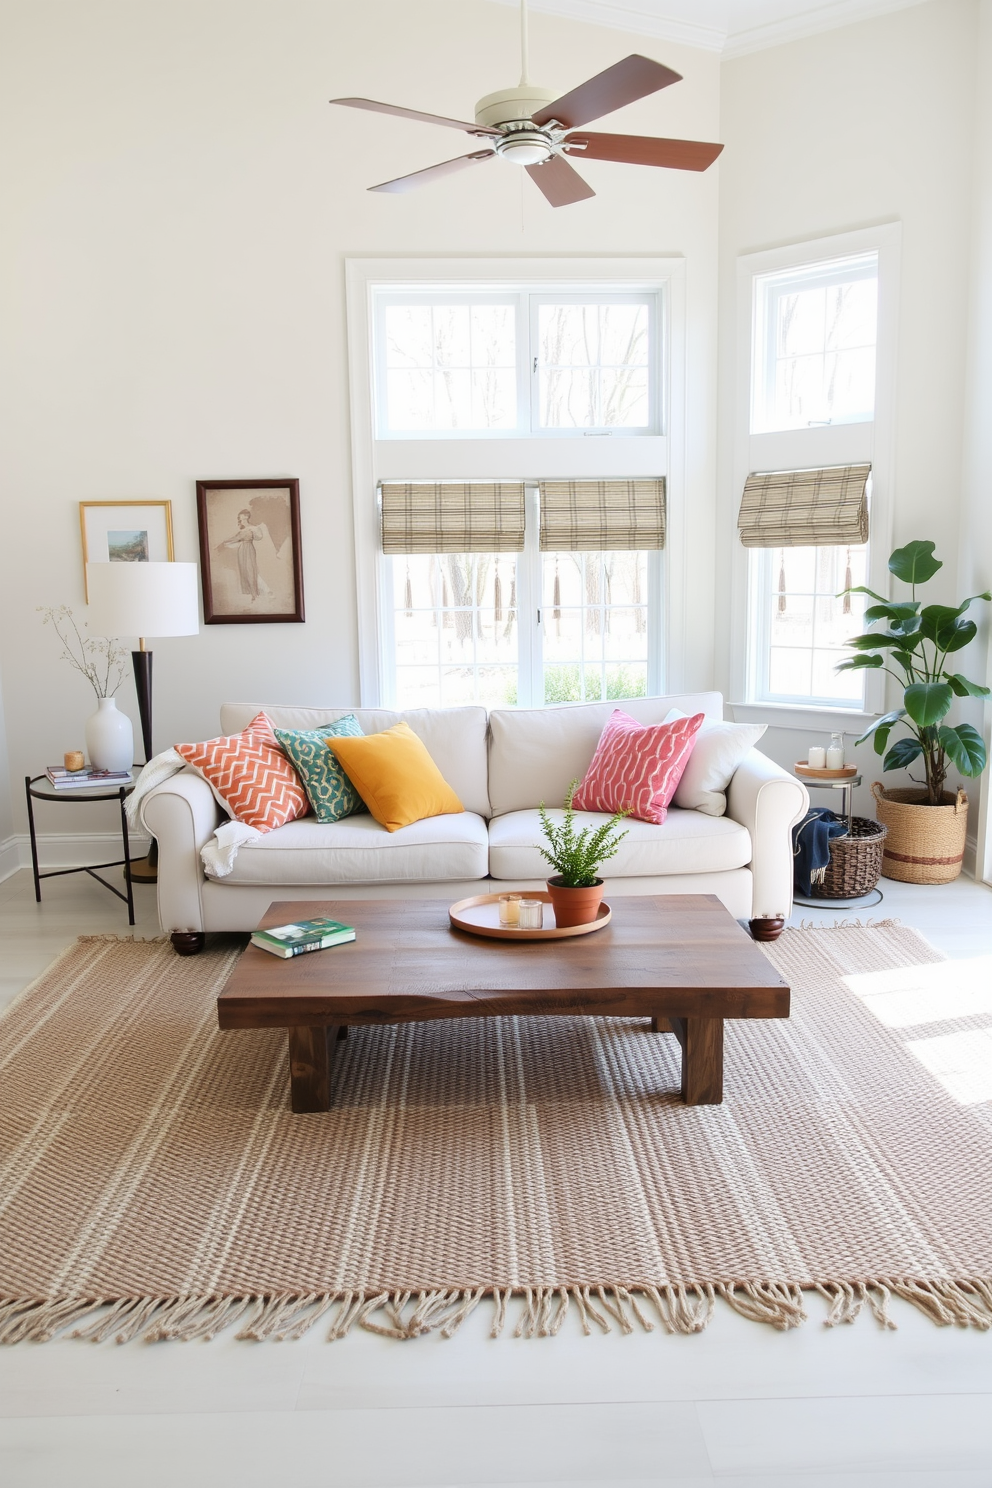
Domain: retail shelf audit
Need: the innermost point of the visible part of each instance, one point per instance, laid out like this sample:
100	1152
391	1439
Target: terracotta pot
575	906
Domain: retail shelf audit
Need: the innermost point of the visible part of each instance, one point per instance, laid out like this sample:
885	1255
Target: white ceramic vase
109	737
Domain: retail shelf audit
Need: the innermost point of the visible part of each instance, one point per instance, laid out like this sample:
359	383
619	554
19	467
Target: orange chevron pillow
250	776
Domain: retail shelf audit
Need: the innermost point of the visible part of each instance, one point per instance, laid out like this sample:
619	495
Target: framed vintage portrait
251	566
125	532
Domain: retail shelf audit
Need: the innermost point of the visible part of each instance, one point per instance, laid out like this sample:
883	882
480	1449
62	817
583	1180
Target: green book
306	935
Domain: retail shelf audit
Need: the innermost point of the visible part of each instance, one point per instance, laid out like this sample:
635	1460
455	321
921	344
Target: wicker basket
855	862
925	844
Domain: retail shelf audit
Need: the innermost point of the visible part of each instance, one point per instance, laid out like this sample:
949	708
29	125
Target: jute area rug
154	1183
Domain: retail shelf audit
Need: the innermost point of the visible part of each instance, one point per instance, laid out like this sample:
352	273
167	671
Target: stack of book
88	778
306	935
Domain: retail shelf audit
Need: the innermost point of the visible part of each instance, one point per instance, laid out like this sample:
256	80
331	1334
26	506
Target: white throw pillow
718	750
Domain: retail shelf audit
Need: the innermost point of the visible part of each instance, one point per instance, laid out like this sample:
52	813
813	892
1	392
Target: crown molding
645	18
620	17
812	22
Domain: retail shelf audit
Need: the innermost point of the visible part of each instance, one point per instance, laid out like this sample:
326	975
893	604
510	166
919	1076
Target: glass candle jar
509	909
531	914
816	757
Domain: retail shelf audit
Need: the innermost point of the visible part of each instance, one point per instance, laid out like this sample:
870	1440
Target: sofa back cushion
535	753
455	737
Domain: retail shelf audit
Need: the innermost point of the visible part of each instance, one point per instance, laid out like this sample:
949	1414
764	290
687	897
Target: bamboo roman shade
452	517
602	516
805	508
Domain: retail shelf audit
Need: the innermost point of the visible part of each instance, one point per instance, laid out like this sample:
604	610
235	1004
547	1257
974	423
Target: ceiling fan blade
434	172
634	77
560	183
636	149
405	113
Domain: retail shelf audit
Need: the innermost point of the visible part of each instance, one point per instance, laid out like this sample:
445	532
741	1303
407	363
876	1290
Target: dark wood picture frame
250	587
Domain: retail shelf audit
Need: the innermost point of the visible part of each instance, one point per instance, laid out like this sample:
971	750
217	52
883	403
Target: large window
809	408
452	364
524	422
523	628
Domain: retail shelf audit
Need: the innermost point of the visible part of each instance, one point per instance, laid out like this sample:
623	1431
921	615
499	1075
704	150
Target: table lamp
143	600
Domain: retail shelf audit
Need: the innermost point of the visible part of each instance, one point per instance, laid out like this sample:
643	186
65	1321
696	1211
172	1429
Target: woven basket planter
925	844
855	862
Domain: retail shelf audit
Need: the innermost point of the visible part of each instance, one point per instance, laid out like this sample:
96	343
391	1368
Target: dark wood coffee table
681	960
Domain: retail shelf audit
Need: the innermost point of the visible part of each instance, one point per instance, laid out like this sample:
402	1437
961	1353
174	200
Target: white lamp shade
143	599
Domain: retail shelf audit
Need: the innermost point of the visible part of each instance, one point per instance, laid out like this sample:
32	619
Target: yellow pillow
395	776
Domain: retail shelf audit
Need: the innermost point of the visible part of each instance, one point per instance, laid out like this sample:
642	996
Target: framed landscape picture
251	566
125	532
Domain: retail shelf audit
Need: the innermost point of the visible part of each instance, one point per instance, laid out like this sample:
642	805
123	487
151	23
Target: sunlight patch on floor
931	993
962	1062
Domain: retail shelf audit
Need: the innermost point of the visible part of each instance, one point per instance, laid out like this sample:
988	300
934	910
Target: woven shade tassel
781	583
497	597
847	585
409	595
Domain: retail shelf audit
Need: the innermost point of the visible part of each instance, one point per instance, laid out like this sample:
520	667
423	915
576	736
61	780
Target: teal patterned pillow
330	792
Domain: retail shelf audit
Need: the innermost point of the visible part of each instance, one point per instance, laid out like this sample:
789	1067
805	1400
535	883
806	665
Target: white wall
179	199
871	123
976	525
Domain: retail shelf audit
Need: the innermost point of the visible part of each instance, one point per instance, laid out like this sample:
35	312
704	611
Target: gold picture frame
125	532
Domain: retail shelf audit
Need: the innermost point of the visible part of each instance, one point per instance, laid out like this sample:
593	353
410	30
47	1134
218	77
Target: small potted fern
576	889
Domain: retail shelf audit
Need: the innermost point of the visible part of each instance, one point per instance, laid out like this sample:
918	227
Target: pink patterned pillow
250	776
637	766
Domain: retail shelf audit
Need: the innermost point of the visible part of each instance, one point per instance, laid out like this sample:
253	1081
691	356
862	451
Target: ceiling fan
529	126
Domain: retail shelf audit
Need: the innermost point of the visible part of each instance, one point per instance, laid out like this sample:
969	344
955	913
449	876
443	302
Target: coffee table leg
311	1061
702	1059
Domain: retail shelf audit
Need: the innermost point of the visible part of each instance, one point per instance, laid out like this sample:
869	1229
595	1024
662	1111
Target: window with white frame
542	624
460	363
810	418
475	378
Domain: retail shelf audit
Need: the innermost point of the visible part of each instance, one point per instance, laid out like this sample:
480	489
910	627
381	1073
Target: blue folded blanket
811	847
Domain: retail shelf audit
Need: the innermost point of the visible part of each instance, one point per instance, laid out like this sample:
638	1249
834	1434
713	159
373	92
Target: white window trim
807	447
567	458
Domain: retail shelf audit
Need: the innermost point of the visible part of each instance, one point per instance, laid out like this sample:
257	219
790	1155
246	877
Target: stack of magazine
88	778
306	935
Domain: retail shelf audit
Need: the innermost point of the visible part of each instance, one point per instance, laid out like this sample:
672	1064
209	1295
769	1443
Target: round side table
40	788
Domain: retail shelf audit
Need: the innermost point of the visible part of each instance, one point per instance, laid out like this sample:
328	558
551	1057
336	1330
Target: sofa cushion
329	791
716	753
358	850
687	842
455	737
535	753
395	777
637	766
250	776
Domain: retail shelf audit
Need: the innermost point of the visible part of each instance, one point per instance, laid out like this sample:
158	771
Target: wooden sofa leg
188	942
765	929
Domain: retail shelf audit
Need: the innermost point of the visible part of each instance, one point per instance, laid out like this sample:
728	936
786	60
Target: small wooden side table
40	788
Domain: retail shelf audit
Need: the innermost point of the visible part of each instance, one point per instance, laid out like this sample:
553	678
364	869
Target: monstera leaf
902	754
927	702
964	747
915	563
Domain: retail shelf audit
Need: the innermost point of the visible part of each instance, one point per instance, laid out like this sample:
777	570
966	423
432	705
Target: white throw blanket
217	856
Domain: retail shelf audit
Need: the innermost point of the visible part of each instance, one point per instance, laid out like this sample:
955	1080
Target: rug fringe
964	1302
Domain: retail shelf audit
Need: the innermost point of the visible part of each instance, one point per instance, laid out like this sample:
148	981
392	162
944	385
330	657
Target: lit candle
816	757
509	909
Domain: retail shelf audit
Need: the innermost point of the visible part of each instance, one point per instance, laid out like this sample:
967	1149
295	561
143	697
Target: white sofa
502	764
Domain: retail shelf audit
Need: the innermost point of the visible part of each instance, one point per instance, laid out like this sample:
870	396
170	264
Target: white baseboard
66	850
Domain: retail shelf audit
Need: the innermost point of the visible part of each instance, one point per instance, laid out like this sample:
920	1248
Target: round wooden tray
844	773
480	916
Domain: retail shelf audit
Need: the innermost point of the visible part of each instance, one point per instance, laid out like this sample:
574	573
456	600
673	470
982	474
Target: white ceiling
731	27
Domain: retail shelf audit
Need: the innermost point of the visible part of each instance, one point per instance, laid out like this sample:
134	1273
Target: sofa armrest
768	801
181	814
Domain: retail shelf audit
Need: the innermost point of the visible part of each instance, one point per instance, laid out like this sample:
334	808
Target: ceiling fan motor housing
512	105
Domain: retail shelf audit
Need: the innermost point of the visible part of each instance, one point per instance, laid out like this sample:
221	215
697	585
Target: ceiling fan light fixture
525	147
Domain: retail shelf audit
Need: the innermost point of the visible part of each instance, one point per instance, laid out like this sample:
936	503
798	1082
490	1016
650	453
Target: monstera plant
913	644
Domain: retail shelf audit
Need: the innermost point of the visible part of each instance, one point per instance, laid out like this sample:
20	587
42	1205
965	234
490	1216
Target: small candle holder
531	914
73	760
816	757
509	909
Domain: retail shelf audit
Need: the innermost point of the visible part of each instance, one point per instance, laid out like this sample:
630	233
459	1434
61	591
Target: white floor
738	1405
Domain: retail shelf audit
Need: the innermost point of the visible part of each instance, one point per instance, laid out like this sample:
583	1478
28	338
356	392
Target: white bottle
835	752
